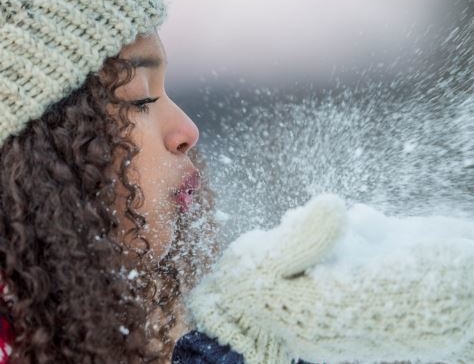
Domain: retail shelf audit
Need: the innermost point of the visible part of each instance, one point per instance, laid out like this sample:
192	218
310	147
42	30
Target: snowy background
372	100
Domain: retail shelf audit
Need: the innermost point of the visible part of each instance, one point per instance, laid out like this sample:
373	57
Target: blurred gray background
223	48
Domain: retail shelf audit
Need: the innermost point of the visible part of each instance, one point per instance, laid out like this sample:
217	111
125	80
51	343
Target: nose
182	134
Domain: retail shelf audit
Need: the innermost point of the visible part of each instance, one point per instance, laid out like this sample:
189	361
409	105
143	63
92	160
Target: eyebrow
146	61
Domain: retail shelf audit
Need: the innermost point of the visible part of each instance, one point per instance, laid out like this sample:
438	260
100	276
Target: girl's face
164	134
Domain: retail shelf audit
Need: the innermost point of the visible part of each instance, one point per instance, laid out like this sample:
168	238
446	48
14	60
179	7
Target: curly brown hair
61	256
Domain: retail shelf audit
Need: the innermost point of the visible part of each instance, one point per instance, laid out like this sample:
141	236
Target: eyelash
142	106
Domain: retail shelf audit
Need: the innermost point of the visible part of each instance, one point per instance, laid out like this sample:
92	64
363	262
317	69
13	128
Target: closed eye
142	105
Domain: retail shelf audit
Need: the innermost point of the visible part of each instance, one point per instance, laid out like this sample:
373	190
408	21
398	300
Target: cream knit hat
47	48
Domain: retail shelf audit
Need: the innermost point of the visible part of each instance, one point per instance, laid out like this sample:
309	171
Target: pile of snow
374	238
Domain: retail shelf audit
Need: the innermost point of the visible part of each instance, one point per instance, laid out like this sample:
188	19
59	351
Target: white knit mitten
242	302
279	294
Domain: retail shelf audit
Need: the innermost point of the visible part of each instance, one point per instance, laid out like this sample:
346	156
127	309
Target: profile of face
164	134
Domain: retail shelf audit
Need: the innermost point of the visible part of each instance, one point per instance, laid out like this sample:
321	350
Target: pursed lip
185	193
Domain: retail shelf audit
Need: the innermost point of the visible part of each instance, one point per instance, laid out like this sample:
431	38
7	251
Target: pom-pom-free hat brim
47	48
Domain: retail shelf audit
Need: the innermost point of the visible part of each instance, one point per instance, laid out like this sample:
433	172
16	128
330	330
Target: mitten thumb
306	234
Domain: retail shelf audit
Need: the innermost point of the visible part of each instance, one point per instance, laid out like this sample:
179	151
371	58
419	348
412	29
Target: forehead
144	45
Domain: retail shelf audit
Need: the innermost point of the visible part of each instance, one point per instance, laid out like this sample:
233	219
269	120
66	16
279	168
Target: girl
96	183
98	192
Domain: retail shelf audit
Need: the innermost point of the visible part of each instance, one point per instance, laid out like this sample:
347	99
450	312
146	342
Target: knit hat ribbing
47	48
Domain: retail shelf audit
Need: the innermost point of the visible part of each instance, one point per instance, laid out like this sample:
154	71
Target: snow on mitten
410	304
273	296
259	295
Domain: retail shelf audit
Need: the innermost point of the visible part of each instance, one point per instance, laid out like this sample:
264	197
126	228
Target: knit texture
240	302
419	310
277	295
47	48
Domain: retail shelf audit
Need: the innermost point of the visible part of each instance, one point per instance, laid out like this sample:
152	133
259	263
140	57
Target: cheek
154	167
160	213
158	209
157	176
